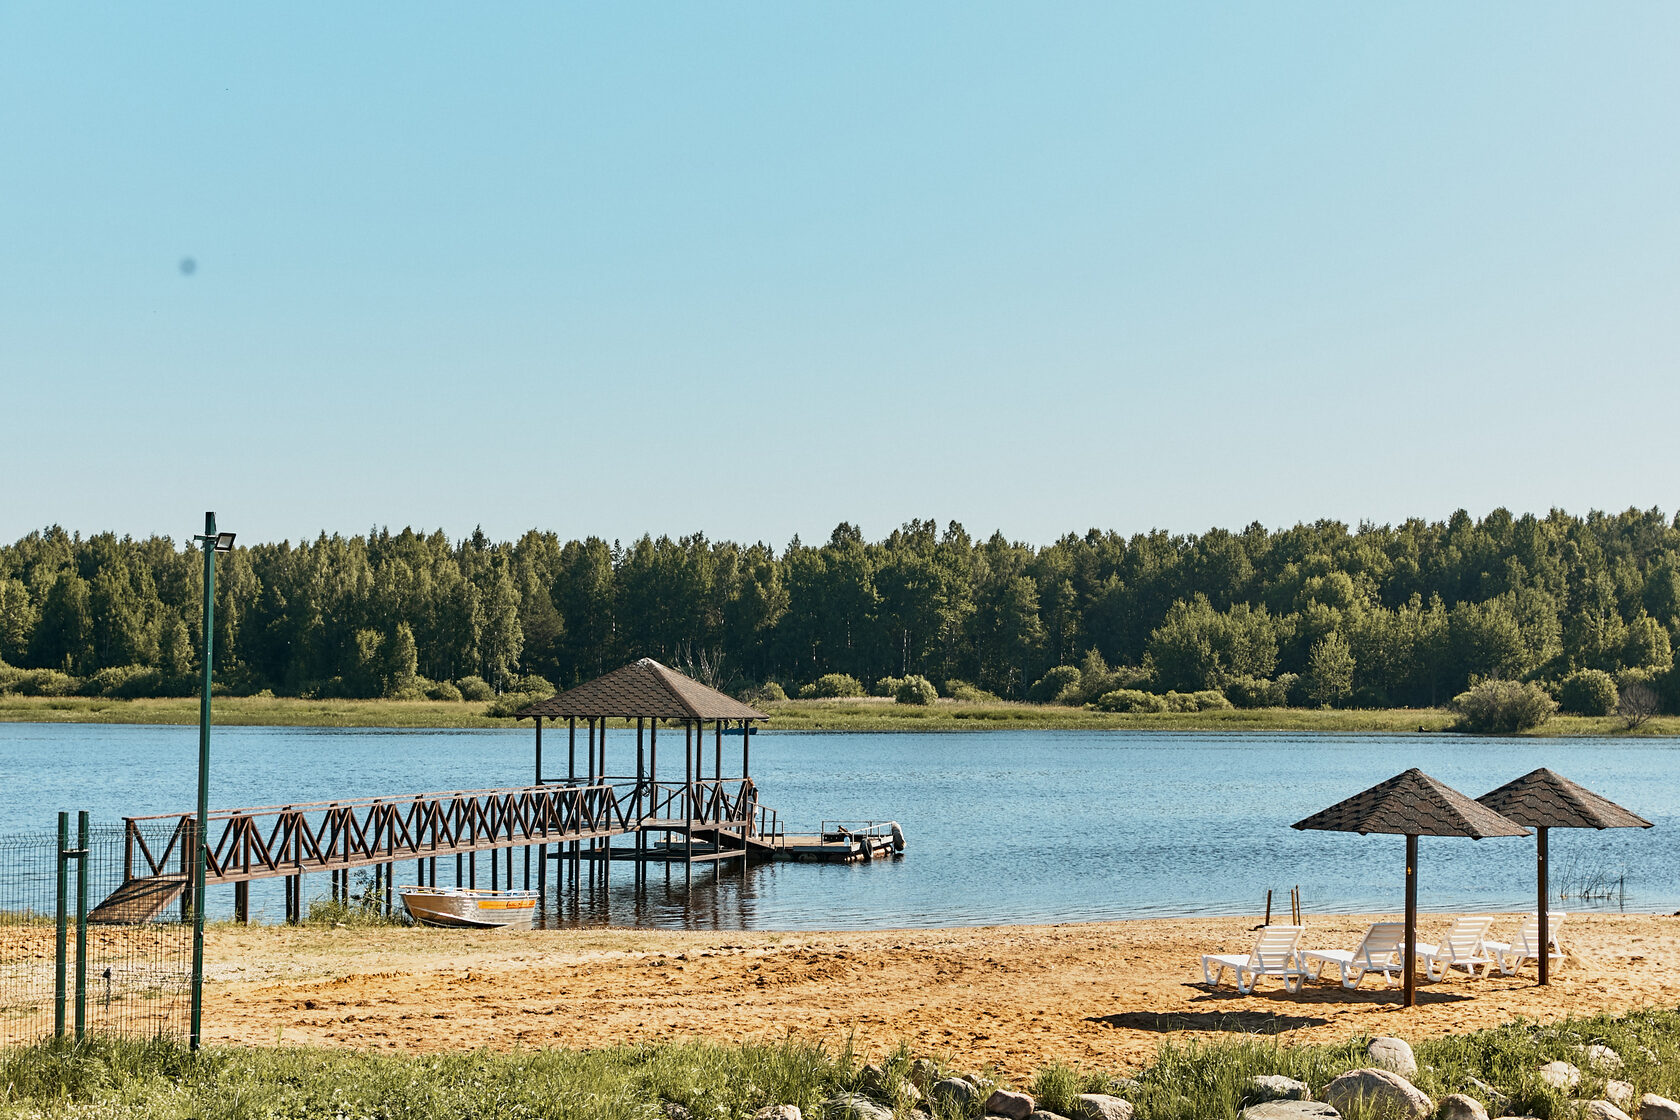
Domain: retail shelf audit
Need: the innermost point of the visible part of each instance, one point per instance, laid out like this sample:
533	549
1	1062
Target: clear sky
757	269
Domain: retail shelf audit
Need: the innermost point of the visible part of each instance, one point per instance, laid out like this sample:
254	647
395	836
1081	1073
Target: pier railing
282	840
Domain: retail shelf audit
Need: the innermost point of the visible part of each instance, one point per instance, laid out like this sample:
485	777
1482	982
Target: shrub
767	693
886	686
1502	707
475	688
1053	684
125	682
969	694
916	690
509	703
831	686
1587	692
530	683
1637	703
442	690
1254	692
1210	700
1131	700
41	682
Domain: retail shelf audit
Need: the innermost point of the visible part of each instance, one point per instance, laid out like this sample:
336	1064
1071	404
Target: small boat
463	908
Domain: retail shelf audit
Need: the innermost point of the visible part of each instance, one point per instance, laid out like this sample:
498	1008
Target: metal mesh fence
137	977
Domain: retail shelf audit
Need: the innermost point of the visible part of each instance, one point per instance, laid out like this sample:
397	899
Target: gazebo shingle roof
643	689
1412	804
1546	799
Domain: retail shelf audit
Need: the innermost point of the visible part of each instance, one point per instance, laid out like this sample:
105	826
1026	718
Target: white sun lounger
1461	949
1511	957
1382	950
1273	955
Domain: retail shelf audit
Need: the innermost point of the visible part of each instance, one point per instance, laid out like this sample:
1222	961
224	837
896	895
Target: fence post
63	913
81	921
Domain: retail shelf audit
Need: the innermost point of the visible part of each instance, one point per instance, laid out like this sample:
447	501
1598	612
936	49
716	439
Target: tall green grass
1196	1080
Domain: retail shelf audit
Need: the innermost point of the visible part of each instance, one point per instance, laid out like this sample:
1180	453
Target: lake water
1003	827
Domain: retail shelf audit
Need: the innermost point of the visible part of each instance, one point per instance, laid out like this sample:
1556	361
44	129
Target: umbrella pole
1409	996
1545	926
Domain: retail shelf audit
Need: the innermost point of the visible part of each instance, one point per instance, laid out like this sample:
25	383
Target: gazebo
647	694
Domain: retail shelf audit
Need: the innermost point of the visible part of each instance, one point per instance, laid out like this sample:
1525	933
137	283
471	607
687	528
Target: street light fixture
213	543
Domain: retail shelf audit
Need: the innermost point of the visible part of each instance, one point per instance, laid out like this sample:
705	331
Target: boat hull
469	909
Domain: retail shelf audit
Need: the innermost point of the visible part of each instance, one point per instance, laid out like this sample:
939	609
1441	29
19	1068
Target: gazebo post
746	738
1410	994
688	785
717	750
539	750
1545	923
641	835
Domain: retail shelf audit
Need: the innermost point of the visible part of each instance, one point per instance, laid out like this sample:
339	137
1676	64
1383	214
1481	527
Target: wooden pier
572	821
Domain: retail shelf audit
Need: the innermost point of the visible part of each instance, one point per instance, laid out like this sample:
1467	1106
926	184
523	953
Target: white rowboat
460	907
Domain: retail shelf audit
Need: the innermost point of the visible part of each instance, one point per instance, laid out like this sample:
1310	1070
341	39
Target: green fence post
63	945
81	921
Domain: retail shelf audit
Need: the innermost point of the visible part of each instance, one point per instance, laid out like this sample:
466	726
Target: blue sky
757	269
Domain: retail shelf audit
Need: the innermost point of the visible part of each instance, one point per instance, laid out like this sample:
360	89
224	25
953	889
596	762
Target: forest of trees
1378	616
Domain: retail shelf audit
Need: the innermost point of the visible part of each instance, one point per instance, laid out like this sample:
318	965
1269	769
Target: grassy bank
868	714
1192	1081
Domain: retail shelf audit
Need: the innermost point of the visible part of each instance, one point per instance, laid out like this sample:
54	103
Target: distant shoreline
863	715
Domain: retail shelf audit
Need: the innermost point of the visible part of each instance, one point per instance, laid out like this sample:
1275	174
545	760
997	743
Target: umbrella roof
1412	804
645	688
1546	799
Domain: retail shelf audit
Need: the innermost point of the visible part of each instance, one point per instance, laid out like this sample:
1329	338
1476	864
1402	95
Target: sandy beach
1017	997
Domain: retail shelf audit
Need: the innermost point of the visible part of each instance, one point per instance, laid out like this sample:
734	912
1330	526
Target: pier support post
242	902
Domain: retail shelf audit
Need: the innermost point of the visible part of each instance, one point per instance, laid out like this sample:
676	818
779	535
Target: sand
1014	997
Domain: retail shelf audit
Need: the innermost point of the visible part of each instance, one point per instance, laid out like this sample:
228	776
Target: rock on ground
779	1112
923	1073
1603	1110
674	1111
1653	1107
1290	1110
1040	1114
1101	1106
1458	1106
954	1094
1560	1075
1619	1093
1275	1087
1602	1058
1016	1106
1496	1101
1393	1054
1384	1092
854	1106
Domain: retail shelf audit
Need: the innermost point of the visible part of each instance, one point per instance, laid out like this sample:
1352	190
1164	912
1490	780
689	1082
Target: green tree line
1378	615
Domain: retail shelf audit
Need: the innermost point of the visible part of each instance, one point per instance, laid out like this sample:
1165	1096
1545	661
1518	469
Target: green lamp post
213	542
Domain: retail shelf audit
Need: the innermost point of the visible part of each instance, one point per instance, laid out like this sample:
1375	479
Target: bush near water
1187	1081
1406	615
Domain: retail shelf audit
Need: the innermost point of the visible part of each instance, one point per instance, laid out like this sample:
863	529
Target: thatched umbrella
1543	800
1411	805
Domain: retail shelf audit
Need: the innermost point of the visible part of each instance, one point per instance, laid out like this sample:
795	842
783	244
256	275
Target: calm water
1002	827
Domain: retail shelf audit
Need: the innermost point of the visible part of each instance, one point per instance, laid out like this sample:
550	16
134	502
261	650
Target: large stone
854	1106
923	1073
1041	1114
954	1094
1016	1106
1275	1087
1382	1092
1603	1110
1290	1110
779	1112
1619	1093
1600	1057
1560	1075
1394	1055
1101	1106
1653	1107
1458	1106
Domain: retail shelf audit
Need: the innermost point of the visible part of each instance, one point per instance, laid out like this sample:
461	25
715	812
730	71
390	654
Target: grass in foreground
796	715
1195	1081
